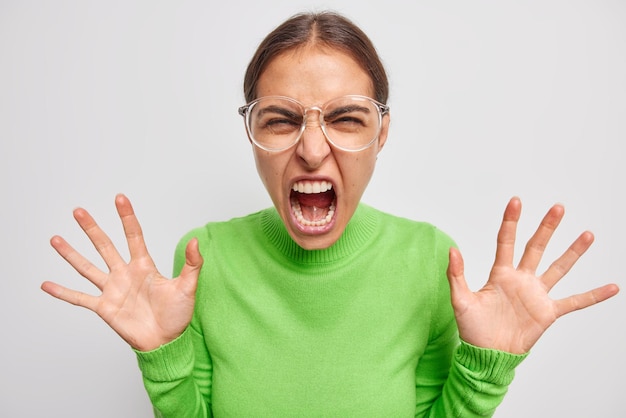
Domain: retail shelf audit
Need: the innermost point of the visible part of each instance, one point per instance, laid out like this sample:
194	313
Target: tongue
320	200
315	206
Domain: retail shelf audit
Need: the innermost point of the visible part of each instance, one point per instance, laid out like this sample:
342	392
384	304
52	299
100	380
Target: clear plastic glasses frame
350	123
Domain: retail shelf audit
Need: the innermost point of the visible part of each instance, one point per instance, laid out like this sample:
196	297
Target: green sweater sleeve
178	375
474	386
478	380
453	378
170	375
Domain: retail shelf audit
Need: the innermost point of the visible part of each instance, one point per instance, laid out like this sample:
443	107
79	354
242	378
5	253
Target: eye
276	120
348	116
348	121
279	125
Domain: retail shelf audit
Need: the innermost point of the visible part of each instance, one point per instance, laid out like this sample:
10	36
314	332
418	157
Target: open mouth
313	203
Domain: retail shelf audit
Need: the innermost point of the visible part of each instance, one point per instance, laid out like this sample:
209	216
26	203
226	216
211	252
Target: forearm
171	376
477	383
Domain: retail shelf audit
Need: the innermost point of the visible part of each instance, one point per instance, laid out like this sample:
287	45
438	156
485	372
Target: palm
513	309
143	307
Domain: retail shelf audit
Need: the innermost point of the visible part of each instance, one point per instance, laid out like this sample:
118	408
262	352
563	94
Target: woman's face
316	218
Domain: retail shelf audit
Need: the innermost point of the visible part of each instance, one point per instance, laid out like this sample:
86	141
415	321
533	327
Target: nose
313	148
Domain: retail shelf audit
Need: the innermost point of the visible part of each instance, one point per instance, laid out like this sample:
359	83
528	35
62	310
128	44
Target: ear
384	131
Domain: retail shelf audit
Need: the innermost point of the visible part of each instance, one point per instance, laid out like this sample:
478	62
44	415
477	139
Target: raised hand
143	307
513	309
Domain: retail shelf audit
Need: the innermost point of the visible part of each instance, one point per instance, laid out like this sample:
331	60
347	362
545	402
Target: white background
489	99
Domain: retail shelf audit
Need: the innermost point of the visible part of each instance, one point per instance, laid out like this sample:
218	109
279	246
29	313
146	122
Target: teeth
309	187
297	210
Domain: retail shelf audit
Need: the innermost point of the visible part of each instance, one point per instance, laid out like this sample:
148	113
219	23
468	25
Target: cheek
360	168
356	176
270	167
261	163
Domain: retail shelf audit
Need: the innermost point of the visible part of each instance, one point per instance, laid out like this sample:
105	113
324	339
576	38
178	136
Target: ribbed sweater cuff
487	365
169	362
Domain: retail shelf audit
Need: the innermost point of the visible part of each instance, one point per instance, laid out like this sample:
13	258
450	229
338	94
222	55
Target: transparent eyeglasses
350	123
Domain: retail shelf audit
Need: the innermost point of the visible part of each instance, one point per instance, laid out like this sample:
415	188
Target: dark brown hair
327	28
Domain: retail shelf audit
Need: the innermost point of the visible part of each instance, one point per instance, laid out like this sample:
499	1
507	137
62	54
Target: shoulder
227	233
409	231
220	236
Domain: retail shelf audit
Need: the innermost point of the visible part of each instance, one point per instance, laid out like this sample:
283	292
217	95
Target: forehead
313	75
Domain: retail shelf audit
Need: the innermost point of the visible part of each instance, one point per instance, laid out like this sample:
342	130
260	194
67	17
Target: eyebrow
346	109
280	110
294	115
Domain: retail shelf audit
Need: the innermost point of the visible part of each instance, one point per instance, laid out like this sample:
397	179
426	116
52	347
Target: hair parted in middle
326	28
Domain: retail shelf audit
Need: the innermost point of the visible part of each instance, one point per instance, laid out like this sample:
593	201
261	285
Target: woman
321	305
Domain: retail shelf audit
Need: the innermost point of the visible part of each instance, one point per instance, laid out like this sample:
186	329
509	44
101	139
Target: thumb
190	271
459	291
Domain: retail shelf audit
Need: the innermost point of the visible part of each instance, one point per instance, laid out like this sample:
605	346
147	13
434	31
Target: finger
71	296
132	228
191	269
83	266
99	239
505	248
538	242
584	300
561	266
459	291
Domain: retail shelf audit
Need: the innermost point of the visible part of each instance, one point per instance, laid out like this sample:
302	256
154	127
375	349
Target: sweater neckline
358	232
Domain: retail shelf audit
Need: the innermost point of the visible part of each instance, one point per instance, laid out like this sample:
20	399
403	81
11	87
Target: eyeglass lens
348	122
